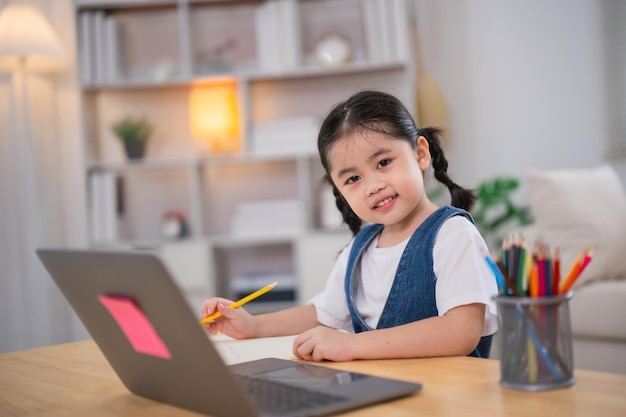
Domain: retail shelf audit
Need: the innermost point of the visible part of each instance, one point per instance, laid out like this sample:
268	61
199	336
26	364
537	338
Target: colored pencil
496	271
556	278
573	273
521	261
584	262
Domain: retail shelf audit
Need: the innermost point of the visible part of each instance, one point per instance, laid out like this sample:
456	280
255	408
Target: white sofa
571	209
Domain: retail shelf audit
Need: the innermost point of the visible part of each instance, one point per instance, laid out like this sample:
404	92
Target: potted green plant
496	214
134	134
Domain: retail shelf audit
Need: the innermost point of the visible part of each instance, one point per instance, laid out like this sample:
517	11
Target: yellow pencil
532	361
241	302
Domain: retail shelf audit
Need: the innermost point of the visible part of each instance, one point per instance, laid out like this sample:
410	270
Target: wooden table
75	380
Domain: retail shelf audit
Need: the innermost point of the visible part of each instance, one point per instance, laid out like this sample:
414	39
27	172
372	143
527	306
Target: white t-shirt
463	277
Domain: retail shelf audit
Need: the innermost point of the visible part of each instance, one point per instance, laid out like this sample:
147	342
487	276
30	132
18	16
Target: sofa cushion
579	207
599	310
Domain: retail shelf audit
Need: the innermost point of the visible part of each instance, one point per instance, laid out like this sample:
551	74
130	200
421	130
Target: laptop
138	317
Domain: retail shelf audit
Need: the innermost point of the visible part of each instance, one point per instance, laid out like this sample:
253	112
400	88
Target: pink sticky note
135	325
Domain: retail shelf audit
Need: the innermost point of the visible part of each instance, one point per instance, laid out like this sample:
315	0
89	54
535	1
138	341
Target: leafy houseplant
496	213
134	134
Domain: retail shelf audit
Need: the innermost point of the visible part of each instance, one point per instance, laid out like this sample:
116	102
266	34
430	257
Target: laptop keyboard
276	398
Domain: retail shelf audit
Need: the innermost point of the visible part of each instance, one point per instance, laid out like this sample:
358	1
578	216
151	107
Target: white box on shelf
271	217
284	136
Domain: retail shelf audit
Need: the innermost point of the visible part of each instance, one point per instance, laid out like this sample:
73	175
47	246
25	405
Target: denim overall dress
412	294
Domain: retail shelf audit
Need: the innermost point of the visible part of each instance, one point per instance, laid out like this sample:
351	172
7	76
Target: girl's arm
287	322
239	324
455	333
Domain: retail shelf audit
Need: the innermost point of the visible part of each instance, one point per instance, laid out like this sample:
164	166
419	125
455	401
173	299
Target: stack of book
278	40
98	47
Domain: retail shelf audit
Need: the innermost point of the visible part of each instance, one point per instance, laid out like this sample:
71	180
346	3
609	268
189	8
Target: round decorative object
333	49
174	225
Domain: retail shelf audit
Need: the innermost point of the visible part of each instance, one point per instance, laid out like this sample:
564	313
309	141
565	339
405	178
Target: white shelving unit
140	58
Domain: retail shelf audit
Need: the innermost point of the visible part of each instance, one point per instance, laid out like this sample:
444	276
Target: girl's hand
323	343
234	322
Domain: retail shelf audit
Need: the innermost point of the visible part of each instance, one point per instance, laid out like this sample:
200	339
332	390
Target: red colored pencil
556	276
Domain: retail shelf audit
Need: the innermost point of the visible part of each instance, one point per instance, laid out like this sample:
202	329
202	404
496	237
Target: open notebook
142	324
235	351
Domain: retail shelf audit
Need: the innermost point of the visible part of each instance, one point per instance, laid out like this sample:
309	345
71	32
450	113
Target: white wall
523	81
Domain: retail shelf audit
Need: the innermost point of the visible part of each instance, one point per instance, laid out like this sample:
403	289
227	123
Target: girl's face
381	178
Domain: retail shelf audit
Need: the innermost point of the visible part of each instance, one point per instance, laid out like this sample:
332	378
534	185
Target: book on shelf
85	47
102	3
384	23
400	43
267	37
288	22
98	38
103	199
377	32
277	34
99	50
111	52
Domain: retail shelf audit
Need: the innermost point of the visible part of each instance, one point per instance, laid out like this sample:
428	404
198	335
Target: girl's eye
384	163
352	179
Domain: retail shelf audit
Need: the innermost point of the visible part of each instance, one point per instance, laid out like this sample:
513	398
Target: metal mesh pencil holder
536	342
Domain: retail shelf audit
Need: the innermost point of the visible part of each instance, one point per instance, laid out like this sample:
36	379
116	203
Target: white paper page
236	351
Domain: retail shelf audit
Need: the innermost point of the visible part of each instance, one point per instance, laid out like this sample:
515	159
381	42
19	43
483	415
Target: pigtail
460	197
349	217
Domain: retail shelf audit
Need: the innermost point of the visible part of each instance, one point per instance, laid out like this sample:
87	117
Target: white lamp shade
26	35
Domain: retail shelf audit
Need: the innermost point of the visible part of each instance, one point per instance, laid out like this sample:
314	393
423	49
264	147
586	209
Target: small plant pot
135	149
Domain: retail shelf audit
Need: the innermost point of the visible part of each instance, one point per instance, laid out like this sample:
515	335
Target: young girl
413	283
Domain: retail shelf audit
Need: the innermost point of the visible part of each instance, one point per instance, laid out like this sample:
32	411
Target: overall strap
361	241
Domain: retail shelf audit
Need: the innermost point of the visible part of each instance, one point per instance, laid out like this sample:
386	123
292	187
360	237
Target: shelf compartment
129	206
223	38
228	185
254	264
345	18
166	109
274	98
127	43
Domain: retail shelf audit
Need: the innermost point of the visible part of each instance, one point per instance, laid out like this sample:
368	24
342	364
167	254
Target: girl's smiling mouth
384	203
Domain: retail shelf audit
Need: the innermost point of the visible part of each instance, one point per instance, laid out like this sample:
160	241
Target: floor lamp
28	43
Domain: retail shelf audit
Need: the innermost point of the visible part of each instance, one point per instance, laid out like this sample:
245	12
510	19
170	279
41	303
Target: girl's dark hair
381	112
